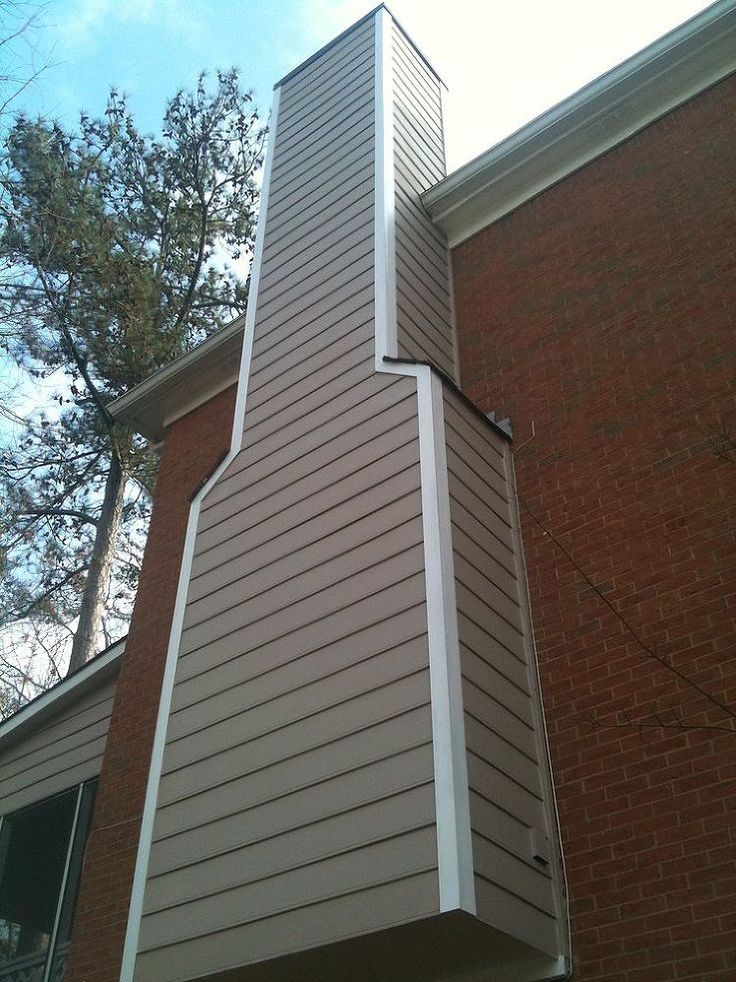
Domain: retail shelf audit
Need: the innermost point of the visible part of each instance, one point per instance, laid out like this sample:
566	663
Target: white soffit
587	124
183	384
96	671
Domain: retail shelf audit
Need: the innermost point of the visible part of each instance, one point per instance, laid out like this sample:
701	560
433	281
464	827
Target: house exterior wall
303	664
601	314
508	782
68	749
423	310
195	443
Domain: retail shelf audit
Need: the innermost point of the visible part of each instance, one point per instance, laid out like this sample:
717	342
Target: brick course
194	445
603	312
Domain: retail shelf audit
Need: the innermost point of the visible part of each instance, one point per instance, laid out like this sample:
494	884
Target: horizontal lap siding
296	803
58	754
424	320
513	892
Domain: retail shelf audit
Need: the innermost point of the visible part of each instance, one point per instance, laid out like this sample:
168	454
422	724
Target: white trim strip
130	949
385	196
454	843
552	815
51	955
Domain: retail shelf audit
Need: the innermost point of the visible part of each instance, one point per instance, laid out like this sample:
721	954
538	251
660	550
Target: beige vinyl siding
506	779
62	751
296	802
424	320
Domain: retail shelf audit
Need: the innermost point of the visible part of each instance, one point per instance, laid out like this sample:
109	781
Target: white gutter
663	76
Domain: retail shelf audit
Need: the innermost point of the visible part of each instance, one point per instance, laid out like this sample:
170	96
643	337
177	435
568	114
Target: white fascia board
600	116
50	702
183	384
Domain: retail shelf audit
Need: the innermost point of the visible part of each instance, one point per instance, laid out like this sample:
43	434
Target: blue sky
503	63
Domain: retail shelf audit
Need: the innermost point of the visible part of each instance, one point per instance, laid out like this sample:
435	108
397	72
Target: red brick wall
604	312
193	448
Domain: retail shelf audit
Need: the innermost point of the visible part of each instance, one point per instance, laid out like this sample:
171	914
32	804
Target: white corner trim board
167	687
454	843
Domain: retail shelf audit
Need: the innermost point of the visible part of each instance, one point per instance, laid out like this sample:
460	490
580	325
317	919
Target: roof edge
99	668
595	119
183	384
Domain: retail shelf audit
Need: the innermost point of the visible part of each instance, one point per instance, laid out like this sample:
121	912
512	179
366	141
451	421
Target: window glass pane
35	842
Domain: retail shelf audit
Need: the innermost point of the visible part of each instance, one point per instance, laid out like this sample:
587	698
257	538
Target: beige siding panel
315	474
475	511
296	240
262	671
298	847
303	664
505	766
423	313
318	592
489	650
331	424
526	880
361	787
306	548
274	701
320	352
286	781
335	102
63	751
320	74
376	482
390	859
489	746
491	714
191	761
333	919
349	152
482	675
269	366
309	259
516	916
364	605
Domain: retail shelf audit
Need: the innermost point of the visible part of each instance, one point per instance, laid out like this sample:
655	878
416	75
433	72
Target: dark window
41	852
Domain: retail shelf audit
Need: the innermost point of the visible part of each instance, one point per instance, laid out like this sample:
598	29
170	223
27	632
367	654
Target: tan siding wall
506	780
423	312
60	753
296	803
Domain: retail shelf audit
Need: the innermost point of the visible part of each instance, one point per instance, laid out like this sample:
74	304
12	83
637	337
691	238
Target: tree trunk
97	584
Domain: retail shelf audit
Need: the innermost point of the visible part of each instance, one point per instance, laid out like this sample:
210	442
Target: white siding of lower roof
296	802
64	750
424	320
504	750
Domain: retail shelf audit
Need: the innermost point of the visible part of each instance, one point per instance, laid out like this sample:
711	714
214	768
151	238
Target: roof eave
96	671
183	384
600	116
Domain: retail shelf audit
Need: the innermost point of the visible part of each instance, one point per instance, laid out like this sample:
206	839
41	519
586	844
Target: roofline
343	34
99	668
595	119
178	388
598	117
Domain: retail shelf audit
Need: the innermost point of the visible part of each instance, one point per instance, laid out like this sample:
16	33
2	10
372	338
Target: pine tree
116	253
